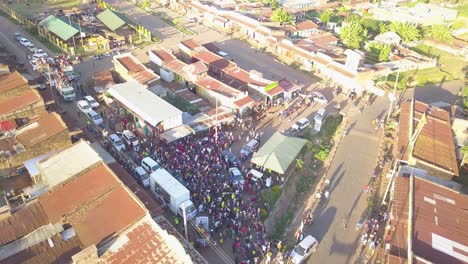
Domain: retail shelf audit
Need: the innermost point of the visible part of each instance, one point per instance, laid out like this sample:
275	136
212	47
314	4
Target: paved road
349	172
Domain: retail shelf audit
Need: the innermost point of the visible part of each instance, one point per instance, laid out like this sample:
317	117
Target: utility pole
185	222
393	98
73	37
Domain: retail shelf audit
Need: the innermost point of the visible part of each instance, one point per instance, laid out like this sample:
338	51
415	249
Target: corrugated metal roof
61	28
11	81
399	211
19	102
113	20
67	163
143	102
40	130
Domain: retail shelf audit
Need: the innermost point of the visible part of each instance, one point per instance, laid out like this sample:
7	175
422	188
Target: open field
41	6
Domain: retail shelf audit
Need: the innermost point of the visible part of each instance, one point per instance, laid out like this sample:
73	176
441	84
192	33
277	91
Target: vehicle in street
24	42
69	73
31	47
249	148
150	165
319	118
95	118
83	106
40	53
304	249
235	176
319	98
34	64
91	101
301	124
117	142
171	192
130	138
224	55
191	19
231	157
18	36
142	176
67	93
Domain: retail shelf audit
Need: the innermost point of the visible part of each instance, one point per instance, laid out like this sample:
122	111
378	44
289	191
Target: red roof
190	44
44	128
207	57
244	102
306	25
8	125
11	81
163	55
19	102
107	216
210	83
288	86
196	68
146	76
323	38
130	64
67	198
434	144
275	91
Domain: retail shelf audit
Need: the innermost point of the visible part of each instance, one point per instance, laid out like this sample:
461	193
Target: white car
34	64
117	142
249	148
24	41
31	47
130	138
41	53
236	176
318	97
93	103
303	250
301	124
95	118
83	106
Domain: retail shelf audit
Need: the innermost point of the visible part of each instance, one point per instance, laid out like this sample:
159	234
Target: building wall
27	111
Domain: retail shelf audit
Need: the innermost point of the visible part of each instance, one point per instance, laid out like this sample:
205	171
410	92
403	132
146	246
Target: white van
319	118
130	138
303	250
142	176
95	118
150	165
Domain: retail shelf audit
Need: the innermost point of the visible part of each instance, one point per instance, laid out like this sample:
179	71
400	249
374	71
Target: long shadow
323	223
336	181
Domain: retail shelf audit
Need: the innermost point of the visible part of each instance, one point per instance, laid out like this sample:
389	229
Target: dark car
233	161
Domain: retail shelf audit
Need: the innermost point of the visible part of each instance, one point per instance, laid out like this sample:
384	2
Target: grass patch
41	6
12	20
33	32
462	10
174	23
181	104
321	143
281	224
419	78
452	64
270	196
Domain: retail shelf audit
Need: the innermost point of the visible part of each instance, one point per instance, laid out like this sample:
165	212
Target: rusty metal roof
42	129
130	64
399	211
11	81
19	102
22	222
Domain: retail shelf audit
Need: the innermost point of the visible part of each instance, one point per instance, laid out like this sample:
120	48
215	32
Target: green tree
282	16
352	18
353	35
379	51
325	17
439	32
299	164
383	27
406	31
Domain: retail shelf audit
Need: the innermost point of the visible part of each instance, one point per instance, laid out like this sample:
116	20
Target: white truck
171	192
319	118
67	93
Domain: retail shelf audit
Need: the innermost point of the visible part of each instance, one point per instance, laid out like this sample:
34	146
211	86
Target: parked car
18	36
150	165
236	176
303	250
191	19
24	41
34	64
249	148
301	124
142	176
231	157
117	142
31	47
130	138
319	98
41	53
83	106
95	118
91	101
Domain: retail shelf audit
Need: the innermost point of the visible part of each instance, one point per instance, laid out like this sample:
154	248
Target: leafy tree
383	27
439	32
325	17
380	51
406	31
352	18
342	9
372	25
353	35
299	164
282	16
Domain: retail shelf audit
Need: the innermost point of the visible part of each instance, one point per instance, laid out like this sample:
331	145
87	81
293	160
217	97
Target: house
47	133
428	220
303	5
92	218
389	38
26	104
117	23
187	47
54	27
149	113
218	93
12	84
425	139
303	29
102	81
159	56
129	68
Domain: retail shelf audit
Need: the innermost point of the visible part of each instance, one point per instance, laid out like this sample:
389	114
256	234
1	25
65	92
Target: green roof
64	29
278	152
113	20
